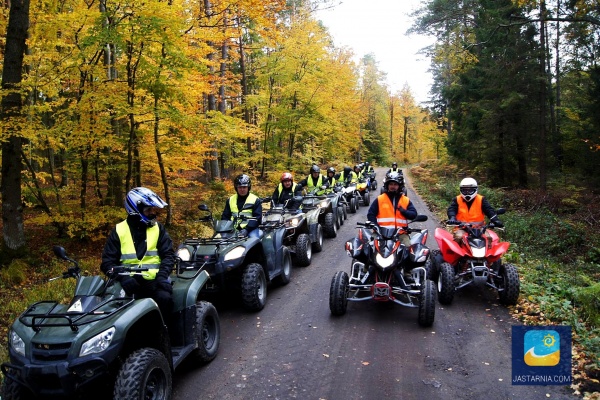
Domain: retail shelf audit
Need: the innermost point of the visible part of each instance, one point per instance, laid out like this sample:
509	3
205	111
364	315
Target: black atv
298	236
108	343
238	263
327	213
352	196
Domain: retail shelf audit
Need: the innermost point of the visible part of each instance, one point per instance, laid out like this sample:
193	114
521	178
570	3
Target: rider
470	207
393	208
358	172
395	168
315	181
286	190
348	176
141	241
234	206
369	168
331	176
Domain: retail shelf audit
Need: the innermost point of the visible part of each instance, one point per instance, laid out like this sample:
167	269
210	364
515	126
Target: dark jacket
286	194
411	211
256	211
111	255
487	209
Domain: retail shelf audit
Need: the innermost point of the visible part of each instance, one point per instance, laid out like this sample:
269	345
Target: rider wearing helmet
348	176
471	207
315	182
287	189
358	171
239	204
141	241
369	168
395	168
392	208
332	177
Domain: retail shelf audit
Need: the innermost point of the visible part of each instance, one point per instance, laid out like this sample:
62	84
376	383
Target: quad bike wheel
303	250
353	205
427	304
12	390
374	185
208	332
254	287
318	245
431	266
340	213
144	375
345	212
446	283
329	227
367	198
510	285
338	293
286	268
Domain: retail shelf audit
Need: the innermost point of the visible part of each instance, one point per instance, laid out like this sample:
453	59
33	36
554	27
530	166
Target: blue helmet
139	198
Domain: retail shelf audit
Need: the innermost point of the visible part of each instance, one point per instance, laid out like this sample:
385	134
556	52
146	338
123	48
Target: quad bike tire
374	185
367	198
341	213
329	227
345	212
12	390
208	332
254	287
318	245
431	266
303	250
145	374
352	206
446	283
338	293
427	304
511	286
286	268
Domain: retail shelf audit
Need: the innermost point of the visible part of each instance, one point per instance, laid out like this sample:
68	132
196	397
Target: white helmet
468	189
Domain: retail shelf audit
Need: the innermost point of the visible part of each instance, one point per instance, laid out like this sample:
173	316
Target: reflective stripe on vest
251	199
129	257
473	215
386	217
310	185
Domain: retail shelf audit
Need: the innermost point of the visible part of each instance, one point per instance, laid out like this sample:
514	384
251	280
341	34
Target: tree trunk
543	98
12	208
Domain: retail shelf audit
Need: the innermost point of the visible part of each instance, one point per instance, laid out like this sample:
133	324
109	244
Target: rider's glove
497	223
164	285
452	221
402	209
129	285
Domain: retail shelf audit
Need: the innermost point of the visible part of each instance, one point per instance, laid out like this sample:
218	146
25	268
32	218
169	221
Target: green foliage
589	300
14	274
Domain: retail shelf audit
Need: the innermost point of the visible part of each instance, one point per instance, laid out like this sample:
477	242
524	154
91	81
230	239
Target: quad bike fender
450	250
313	231
272	245
497	251
248	245
186	291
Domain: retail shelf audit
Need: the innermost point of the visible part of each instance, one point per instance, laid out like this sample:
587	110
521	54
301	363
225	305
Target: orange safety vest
473	215
387	217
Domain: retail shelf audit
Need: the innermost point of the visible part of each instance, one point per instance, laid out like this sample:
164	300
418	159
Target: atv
239	263
327	213
352	196
363	192
104	340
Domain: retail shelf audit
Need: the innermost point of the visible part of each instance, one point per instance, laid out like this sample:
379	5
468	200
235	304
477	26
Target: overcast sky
378	27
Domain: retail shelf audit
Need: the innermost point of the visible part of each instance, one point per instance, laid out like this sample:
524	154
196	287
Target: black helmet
242	180
347	170
357	166
367	164
331	169
393	176
394	164
315	168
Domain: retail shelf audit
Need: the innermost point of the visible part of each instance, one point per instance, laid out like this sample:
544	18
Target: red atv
477	260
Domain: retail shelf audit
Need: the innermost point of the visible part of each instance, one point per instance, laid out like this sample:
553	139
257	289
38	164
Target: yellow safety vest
310	185
129	257
251	199
280	188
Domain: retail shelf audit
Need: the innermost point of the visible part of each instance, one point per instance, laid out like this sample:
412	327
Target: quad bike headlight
237	252
324	204
17	344
293	222
184	254
98	343
384	262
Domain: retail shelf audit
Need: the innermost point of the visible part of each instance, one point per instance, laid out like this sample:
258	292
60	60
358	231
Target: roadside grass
556	249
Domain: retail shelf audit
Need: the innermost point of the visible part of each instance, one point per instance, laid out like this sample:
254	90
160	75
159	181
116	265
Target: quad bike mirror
203	207
420	218
60	252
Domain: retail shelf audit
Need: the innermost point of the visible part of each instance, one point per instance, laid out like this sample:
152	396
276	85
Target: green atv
238	263
328	216
106	342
